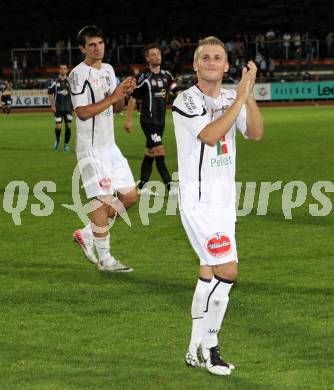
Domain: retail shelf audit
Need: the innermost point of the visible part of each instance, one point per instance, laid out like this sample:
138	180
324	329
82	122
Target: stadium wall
25	98
323	90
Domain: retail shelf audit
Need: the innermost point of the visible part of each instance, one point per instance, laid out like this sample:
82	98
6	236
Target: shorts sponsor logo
155	138
105	183
218	245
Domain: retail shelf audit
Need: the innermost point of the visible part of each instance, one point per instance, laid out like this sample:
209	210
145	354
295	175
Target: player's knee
159	150
227	271
133	200
130	200
149	152
232	274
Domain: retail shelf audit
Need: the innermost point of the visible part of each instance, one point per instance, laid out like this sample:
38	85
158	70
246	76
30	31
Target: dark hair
91	31
151	46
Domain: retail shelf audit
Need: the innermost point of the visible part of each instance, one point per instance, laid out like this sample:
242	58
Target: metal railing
52	56
280	49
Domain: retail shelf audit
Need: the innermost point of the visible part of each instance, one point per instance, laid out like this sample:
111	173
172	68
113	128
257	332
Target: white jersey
206	173
90	85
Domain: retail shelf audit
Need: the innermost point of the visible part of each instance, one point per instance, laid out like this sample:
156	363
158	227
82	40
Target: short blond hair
209	41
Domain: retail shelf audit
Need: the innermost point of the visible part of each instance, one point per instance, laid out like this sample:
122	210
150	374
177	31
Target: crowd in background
268	50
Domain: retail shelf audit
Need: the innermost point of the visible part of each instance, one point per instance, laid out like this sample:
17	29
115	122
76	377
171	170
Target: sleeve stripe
83	87
86	83
175	109
200	171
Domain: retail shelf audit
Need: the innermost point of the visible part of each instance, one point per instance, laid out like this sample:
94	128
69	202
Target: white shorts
60	115
211	232
104	171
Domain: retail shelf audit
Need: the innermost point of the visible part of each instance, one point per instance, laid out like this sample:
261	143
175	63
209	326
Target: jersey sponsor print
206	173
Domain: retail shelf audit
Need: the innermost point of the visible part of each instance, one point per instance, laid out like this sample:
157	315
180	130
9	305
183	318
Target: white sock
215	310
197	312
87	230
102	245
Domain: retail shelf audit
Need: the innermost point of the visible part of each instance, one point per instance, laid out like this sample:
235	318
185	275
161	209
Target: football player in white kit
103	169
206	117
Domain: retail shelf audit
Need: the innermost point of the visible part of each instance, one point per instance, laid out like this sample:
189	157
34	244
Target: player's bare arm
52	103
129	112
218	128
254	119
124	89
118	107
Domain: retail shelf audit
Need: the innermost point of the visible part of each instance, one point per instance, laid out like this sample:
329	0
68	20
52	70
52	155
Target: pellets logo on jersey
218	245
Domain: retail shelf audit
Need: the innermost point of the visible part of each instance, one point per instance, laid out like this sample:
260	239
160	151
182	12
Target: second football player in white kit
206	117
103	169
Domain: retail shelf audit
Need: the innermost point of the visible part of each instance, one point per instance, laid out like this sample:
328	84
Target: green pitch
63	325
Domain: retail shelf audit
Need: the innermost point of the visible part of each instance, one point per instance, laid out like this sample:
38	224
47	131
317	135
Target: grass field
63	325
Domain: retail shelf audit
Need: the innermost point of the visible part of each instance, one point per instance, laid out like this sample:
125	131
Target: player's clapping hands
246	84
125	88
128	85
252	69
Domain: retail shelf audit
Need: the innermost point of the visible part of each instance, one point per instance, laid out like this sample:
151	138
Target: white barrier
262	91
39	97
30	98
